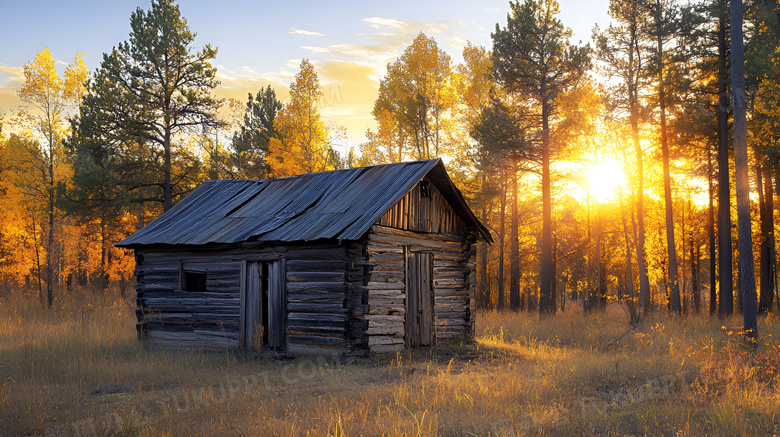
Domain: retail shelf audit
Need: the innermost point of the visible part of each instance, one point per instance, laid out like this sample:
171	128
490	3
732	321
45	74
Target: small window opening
194	282
425	190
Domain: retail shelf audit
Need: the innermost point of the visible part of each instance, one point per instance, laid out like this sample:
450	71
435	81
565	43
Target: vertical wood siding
423	214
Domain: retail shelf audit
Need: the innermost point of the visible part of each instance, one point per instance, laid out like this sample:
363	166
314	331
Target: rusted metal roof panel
339	204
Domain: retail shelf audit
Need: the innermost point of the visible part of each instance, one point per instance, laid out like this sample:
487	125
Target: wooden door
276	304
262	306
419	299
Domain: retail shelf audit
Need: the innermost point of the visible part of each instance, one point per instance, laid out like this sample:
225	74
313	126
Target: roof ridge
417	161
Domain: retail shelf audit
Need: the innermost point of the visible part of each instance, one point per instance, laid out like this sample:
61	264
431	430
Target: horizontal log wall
452	281
317	318
176	319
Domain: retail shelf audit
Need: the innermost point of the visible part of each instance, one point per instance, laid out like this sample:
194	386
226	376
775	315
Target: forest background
605	171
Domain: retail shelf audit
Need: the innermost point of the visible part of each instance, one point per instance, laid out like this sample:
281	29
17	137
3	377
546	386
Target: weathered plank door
262	305
419	299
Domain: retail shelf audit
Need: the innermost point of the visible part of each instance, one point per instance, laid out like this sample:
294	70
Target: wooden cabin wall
339	297
453	277
424	214
357	298
471	264
385	275
170	317
317	289
317	315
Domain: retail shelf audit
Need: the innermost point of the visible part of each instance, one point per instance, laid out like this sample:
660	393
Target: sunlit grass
525	374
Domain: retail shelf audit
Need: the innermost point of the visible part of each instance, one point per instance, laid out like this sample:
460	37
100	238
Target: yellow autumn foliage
302	146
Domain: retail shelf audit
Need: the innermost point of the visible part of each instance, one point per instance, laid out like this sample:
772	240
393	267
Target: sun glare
605	178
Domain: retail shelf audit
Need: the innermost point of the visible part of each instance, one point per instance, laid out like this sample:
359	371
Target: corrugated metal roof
340	204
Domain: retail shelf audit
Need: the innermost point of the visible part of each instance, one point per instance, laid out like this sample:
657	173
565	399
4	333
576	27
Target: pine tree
250	144
747	281
147	91
532	55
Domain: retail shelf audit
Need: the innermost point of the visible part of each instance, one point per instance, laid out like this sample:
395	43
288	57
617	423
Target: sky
262	43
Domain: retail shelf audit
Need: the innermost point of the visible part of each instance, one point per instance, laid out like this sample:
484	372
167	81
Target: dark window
194	281
425	189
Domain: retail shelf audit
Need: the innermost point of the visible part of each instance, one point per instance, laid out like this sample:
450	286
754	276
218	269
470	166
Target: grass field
78	370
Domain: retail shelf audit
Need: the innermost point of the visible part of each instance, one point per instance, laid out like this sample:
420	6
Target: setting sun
604	178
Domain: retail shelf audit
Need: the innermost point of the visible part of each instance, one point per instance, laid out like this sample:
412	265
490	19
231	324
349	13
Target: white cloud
456	41
316	49
304	32
11	81
11	76
377	22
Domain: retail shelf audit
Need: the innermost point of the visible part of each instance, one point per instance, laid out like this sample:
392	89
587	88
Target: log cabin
370	259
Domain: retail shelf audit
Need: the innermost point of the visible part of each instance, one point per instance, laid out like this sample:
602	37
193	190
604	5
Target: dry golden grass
78	370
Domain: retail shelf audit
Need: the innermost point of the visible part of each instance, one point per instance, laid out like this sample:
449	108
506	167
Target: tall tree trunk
683	282
600	300
739	269
695	286
563	294
104	279
767	268
763	253
671	248
546	302
514	257
50	182
747	281
635	67
629	270
641	259
502	238
484	291
50	249
635	234
725	271
554	292
711	233
140	219
587	300
37	259
776	172
770	207
575	289
167	189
